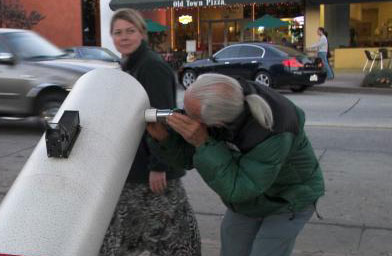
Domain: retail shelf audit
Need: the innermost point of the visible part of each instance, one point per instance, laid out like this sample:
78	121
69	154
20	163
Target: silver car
92	53
35	75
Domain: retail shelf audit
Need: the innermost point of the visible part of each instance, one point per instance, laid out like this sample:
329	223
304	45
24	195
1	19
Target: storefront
213	24
353	27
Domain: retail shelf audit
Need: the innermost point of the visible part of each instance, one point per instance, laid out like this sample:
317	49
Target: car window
3	48
287	51
70	52
27	45
248	51
97	53
92	53
228	52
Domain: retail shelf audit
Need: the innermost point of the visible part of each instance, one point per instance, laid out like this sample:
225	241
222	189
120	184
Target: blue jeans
271	236
327	67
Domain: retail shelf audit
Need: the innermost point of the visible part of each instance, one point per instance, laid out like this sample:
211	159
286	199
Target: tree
13	15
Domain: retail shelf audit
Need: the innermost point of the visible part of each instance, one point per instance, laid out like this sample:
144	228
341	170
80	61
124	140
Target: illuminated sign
198	3
185	19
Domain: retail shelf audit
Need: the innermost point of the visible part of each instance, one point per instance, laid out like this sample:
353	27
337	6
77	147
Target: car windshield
287	51
30	46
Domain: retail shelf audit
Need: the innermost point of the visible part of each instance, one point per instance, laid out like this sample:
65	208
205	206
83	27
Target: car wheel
298	88
188	78
49	104
263	78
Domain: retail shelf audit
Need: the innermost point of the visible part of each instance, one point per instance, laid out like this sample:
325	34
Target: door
14	85
226	61
250	59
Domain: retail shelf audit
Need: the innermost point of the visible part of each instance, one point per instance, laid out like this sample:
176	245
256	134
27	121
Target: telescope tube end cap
150	115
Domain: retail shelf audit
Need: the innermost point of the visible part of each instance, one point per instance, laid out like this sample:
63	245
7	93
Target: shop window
371	24
90	22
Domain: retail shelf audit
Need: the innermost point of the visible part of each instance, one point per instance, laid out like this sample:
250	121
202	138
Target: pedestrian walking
322	48
249	145
153	216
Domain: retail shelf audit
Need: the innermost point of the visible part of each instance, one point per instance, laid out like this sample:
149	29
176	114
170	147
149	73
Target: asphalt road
351	134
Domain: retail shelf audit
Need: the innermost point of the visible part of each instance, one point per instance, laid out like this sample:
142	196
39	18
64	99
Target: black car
271	65
92	53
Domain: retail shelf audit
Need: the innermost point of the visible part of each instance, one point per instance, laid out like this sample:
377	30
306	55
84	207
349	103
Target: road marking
345	125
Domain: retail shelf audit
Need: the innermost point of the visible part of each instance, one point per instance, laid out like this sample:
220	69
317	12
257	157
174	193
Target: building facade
213	24
63	30
67	22
353	27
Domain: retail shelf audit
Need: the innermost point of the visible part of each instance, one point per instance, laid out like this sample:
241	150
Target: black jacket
159	81
245	132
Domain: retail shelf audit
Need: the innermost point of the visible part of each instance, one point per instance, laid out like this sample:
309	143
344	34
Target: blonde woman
153	215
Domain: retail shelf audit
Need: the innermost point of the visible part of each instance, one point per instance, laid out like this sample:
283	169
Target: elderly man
248	144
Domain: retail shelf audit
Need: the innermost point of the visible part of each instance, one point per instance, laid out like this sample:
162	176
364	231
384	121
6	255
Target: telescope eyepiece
160	115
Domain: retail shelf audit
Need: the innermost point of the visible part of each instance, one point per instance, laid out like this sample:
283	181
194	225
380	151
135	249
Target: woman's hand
191	130
158	131
157	182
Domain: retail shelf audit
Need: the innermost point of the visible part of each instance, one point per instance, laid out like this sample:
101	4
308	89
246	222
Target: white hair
222	101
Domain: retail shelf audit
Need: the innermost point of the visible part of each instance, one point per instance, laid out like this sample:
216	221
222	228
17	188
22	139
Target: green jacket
279	175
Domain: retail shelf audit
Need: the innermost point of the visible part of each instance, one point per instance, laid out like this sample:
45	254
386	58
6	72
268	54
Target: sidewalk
349	81
319	238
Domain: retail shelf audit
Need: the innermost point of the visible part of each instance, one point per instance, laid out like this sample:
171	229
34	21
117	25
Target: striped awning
154	4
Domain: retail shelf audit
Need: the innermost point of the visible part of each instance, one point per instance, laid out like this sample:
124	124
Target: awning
267	21
344	1
153	26
153	4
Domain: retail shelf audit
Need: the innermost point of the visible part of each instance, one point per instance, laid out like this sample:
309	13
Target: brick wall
62	24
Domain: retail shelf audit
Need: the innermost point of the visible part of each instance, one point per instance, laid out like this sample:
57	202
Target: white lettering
197	3
190	3
178	3
215	2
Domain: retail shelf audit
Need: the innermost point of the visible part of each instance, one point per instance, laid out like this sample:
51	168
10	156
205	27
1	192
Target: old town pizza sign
198	3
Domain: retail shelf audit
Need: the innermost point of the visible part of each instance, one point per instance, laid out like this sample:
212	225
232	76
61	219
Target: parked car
268	64
35	75
92	53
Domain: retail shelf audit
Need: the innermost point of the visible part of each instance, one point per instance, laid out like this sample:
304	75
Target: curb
362	90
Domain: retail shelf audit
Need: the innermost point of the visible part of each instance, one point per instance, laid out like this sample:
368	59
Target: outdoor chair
384	55
373	57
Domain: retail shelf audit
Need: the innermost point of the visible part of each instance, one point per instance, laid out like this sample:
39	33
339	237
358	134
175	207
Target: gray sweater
322	44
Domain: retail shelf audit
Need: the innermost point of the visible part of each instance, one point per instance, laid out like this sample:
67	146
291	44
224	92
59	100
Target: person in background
249	145
286	43
267	39
322	51
153	215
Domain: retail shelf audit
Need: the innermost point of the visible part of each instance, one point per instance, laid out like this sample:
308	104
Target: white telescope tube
62	207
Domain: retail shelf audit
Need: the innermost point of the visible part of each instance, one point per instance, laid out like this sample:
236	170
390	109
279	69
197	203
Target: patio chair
384	55
373	57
